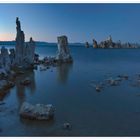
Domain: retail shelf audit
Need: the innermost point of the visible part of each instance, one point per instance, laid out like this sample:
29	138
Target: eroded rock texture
24	52
63	50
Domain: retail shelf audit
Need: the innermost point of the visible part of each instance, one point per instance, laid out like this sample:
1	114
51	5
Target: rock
12	55
3	73
4	85
95	45
113	82
67	126
63	50
42	68
24	52
98	88
49	60
20	43
9	85
5	59
2	103
87	45
36	112
108	43
36	58
118	79
125	77
25	82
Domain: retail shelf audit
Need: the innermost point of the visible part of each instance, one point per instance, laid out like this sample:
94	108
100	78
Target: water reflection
21	90
63	72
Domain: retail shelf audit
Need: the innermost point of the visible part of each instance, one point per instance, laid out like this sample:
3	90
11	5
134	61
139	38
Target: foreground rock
36	112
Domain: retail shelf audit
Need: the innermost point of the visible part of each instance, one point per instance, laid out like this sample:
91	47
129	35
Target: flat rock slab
36	112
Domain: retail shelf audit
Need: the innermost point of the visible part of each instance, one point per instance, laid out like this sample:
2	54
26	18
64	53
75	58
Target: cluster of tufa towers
21	56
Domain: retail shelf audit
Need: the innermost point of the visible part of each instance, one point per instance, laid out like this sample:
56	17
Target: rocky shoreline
23	59
110	44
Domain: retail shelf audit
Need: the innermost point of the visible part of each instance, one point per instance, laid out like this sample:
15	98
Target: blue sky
80	22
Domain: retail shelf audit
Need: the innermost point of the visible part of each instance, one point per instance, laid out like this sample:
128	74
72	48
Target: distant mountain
13	43
8	43
38	43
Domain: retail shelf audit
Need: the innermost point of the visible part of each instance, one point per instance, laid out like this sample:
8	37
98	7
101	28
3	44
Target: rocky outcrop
4	85
12	56
108	43
20	43
63	50
95	45
87	45
5	59
24	52
36	112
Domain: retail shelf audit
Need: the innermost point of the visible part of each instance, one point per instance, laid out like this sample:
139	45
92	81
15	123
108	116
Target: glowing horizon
80	22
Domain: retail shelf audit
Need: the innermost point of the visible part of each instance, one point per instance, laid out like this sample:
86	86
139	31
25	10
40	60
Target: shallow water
115	111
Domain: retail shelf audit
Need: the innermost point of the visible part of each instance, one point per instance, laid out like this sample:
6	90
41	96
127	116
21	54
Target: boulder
36	112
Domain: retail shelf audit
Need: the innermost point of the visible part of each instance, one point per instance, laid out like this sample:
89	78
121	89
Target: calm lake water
115	111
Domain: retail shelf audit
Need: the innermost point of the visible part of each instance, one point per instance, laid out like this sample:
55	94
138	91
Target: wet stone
2	103
67	126
25	82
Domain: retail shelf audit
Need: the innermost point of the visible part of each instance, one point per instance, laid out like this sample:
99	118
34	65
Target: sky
79	22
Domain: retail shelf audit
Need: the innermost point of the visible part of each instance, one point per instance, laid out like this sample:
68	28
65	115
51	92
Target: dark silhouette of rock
95	45
87	45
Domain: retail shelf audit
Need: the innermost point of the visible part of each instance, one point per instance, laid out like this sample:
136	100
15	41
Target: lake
115	111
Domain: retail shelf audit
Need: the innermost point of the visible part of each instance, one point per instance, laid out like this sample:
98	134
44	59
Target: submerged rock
25	82
67	126
125	77
36	112
113	82
2	103
98	88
